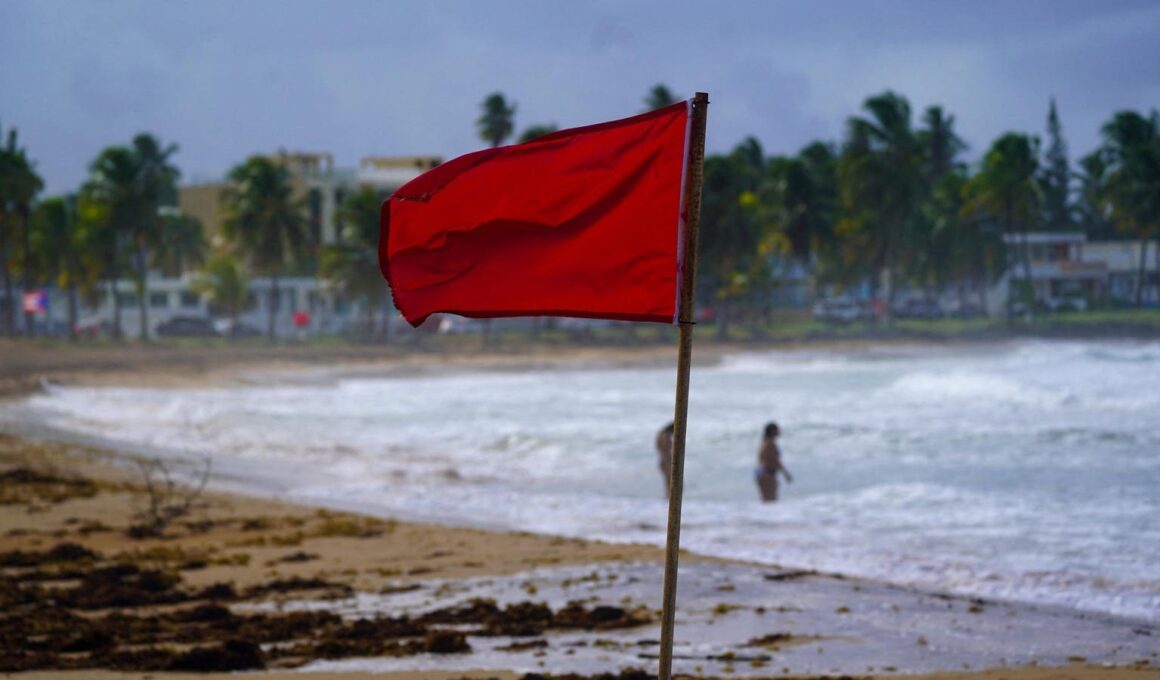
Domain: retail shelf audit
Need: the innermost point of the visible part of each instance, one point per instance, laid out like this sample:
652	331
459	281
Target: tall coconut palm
1005	190
180	243
496	121
1091	208
58	242
932	242
940	144
264	222
880	184
19	185
155	185
112	209
659	96
1132	188
733	228
537	131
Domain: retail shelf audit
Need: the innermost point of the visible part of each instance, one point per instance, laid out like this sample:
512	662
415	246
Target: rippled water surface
1027	471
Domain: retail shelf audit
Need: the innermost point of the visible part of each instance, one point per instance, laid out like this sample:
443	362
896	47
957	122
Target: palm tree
880	183
180	244
155	186
495	124
1132	188
1091	208
112	208
352	265
1005	190
734	227
932	244
58	241
224	286
659	97
19	185
940	143
264	222
537	131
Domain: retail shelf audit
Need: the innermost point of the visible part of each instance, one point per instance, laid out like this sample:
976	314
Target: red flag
583	222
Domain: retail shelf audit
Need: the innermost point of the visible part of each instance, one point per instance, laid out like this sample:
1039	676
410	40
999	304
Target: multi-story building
1122	260
1057	265
315	180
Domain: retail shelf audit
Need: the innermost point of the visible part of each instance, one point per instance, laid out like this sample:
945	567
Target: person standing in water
665	455
769	464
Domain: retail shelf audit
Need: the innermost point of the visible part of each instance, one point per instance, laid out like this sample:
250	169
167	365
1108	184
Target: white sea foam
1027	471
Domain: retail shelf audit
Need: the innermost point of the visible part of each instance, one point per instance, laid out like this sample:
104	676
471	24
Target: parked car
236	329
841	310
1067	303
917	308
186	327
92	327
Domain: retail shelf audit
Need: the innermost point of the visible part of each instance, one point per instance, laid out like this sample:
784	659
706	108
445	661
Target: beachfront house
1053	264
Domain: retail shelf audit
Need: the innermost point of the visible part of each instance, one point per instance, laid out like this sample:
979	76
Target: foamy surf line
1021	473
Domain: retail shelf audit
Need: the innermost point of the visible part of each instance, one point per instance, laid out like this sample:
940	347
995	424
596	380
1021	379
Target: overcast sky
228	78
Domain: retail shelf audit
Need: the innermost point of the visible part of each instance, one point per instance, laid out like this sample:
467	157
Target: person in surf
665	455
769	464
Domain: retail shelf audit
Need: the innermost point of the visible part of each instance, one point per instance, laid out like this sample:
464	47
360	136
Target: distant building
1058	266
1122	260
323	187
314	179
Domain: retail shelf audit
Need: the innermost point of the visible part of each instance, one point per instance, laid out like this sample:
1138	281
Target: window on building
190	299
158	299
251	301
127	299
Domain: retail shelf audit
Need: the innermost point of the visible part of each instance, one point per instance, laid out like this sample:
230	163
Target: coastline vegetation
891	206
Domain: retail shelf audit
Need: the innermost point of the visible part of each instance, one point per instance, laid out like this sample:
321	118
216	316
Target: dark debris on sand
68	607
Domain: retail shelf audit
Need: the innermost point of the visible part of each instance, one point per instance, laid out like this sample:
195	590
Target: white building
1122	261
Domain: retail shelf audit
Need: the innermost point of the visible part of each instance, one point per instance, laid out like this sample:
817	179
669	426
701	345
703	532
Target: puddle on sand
743	620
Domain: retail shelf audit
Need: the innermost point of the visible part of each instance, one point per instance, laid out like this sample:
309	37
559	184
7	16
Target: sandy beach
239	583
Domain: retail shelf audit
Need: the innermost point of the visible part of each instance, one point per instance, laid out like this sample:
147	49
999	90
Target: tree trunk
10	309
142	295
71	295
723	309
275	301
1157	268
117	332
888	285
1142	271
22	212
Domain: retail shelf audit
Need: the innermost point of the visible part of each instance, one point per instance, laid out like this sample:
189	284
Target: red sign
35	302
301	319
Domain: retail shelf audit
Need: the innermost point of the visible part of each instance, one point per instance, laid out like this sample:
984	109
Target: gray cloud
226	79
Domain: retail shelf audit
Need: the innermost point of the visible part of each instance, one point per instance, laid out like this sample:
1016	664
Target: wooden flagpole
695	166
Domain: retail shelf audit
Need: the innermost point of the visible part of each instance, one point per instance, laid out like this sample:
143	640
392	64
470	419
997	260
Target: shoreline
286	560
26	364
